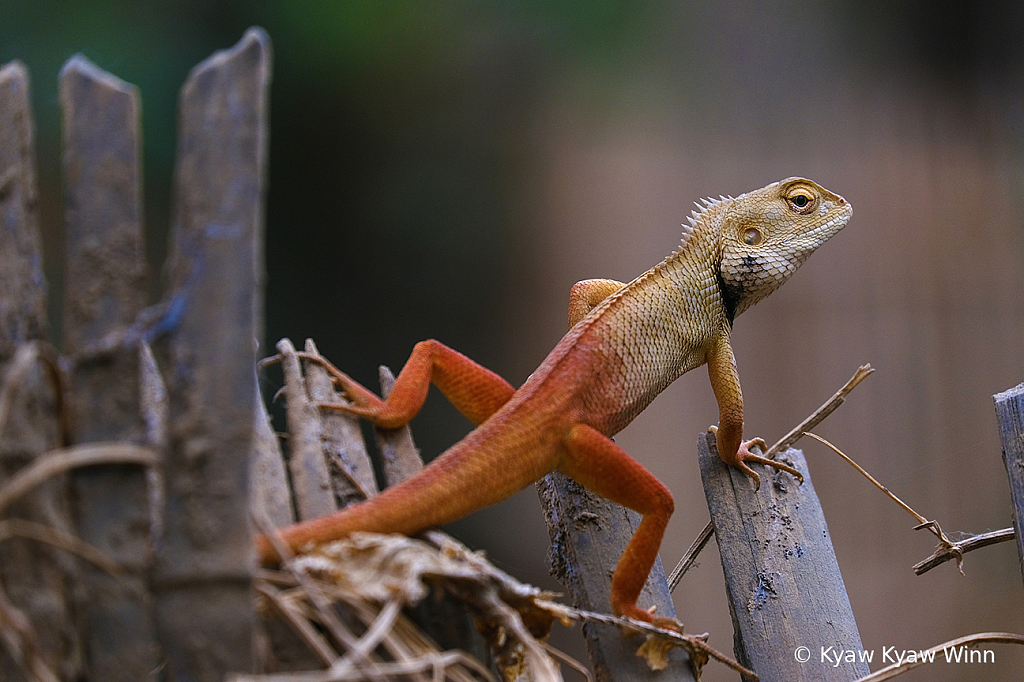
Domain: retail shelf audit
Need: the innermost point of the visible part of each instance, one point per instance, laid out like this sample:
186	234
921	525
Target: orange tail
482	469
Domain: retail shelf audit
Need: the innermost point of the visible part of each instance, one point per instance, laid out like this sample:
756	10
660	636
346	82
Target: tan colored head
768	233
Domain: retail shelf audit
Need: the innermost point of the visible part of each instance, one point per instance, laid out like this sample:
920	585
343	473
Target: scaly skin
626	343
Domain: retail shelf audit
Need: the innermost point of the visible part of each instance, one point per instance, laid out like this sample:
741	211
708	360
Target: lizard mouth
827	229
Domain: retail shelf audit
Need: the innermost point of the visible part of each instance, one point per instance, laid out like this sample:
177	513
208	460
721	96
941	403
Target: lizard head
768	233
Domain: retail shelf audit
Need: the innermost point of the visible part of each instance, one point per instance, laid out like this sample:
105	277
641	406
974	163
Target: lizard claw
744	455
634	612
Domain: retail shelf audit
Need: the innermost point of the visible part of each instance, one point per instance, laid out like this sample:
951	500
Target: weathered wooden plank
105	269
350	467
272	498
784	586
400	458
588	535
311	482
204	567
1010	414
35	577
22	287
104	290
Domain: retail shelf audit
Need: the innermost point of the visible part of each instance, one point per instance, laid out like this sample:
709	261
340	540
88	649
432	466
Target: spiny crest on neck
705	208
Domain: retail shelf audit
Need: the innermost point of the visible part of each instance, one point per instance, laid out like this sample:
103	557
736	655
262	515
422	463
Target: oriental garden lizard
626	343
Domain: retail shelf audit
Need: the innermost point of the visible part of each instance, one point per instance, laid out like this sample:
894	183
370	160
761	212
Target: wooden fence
181	604
150	412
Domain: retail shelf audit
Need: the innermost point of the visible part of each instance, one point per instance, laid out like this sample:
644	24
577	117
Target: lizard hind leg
474	390
598	464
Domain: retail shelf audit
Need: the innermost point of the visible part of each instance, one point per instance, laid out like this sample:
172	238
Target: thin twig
58	461
896	669
377	631
298	622
690	556
906	507
819	414
20	528
943	554
560	655
945	544
690	643
25	357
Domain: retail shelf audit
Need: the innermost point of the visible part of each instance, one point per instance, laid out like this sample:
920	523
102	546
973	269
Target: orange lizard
627	343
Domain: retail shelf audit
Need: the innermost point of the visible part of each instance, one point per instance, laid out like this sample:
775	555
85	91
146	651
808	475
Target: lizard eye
752	236
800	200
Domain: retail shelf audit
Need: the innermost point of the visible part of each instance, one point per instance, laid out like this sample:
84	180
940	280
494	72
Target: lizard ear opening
752	236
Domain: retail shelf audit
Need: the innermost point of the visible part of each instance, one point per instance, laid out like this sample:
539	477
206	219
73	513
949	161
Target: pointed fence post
588	535
786	595
34	579
104	291
1010	413
204	568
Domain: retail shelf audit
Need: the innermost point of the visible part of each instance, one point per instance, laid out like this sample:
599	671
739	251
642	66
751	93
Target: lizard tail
470	475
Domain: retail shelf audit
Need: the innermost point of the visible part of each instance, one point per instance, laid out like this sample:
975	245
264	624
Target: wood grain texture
35	577
784	586
588	535
349	464
311	484
204	569
1010	414
104	291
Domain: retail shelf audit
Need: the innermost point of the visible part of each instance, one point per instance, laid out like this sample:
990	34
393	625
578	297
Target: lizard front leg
725	382
474	390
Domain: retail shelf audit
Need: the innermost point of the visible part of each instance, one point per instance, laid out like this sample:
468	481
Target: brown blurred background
449	170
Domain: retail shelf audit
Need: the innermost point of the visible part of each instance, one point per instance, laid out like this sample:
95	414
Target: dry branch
821	413
943	553
49	464
897	669
306	463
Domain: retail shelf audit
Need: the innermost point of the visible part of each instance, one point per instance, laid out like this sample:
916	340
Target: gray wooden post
311	481
789	605
1010	413
351	469
104	290
204	568
588	535
34	577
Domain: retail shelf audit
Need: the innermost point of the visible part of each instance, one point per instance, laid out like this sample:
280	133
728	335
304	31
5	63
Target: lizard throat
730	296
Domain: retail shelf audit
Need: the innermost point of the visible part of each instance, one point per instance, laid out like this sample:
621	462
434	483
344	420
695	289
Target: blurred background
449	169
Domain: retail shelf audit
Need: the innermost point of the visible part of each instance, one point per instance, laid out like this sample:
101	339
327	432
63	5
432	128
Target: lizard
626	343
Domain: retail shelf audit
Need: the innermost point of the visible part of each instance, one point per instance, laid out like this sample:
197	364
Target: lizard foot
638	614
362	401
744	455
